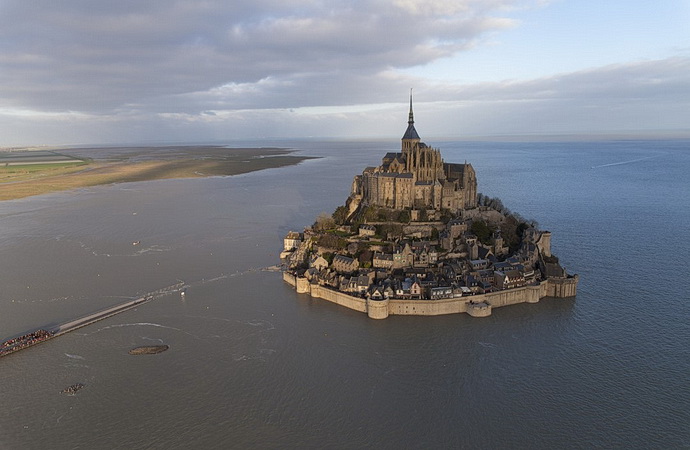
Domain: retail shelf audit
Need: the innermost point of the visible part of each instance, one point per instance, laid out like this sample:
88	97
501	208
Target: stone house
318	263
479	264
445	240
421	257
402	290
509	279
361	284
456	228
453	270
380	291
375	292
472	284
292	241
410	288
439	292
472	250
485	287
382	260
485	253
415	290
425	255
330	278
355	285
367	230
499	247
529	273
403	257
485	275
469	238
344	264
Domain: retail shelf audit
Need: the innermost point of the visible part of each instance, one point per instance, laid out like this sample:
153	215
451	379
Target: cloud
651	79
636	97
85	72
97	57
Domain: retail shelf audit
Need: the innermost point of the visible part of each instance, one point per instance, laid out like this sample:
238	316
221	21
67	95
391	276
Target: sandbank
99	166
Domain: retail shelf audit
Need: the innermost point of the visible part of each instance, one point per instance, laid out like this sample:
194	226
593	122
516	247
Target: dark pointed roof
410	133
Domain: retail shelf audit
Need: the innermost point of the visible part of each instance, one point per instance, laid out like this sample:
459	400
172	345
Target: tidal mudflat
109	165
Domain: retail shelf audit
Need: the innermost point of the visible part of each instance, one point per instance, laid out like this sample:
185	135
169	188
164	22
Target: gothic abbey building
417	178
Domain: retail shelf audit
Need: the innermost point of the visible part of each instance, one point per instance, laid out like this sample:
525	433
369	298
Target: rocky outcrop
149	350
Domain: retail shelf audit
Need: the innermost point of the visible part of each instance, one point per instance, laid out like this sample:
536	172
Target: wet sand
128	164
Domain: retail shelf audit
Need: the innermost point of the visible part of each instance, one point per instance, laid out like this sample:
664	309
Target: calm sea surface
254	365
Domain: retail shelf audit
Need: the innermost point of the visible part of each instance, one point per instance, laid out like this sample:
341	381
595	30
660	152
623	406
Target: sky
131	71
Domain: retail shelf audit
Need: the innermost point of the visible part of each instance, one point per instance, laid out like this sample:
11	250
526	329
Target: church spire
410	133
410	121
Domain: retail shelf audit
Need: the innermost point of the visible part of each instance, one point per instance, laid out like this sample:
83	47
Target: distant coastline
24	174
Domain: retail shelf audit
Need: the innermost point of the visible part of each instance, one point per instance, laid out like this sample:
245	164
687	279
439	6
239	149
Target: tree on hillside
446	215
340	215
331	241
371	214
328	256
482	231
324	222
509	232
390	230
492	202
365	256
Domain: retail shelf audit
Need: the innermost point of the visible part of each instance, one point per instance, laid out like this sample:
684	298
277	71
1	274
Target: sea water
253	364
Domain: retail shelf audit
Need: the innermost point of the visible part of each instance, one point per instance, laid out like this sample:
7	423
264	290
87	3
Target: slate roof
411	133
454	171
554	270
390	156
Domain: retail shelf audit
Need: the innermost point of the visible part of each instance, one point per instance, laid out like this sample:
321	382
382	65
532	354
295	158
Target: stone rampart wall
527	294
422	227
562	287
290	279
428	307
475	305
340	298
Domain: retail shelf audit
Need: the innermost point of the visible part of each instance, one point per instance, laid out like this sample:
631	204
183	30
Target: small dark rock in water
71	390
149	350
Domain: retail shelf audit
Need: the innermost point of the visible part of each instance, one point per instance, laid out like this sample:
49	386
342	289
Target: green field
22	172
24	168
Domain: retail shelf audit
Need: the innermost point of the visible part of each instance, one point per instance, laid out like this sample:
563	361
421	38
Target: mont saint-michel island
416	238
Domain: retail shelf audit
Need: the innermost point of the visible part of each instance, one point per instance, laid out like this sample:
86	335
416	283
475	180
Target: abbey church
417	178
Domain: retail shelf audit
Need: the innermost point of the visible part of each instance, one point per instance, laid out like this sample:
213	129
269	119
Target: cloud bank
84	71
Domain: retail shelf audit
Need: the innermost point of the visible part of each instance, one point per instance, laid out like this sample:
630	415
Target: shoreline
105	166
